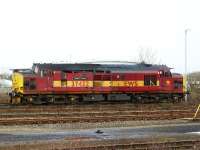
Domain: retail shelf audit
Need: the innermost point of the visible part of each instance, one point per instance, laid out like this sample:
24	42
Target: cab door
151	82
166	82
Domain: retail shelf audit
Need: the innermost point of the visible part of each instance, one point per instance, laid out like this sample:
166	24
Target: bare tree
147	55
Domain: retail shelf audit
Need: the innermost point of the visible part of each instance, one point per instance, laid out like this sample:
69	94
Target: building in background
5	83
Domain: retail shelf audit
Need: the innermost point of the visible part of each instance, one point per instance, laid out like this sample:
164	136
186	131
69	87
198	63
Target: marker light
167	82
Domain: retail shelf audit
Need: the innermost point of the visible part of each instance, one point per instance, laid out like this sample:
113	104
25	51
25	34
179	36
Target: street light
186	77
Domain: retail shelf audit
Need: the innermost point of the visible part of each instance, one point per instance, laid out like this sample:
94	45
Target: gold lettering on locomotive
80	84
132	83
125	83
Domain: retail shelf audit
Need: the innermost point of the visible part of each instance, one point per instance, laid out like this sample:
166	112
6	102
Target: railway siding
20	115
45	118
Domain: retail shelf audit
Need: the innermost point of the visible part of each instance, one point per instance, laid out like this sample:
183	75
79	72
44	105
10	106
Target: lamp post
186	77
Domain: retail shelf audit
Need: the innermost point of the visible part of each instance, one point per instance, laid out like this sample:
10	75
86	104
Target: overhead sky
91	30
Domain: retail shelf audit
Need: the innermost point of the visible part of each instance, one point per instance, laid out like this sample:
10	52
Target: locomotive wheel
72	99
37	100
58	100
80	99
139	99
133	99
105	97
24	101
156	99
15	100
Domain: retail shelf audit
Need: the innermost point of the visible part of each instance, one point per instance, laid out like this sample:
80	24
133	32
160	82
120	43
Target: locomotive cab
166	79
178	85
18	84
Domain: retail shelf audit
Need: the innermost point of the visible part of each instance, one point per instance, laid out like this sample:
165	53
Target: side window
168	74
150	80
161	73
63	76
29	84
32	84
178	84
26	84
45	73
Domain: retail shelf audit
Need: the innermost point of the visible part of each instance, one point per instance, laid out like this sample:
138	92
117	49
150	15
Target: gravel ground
4	98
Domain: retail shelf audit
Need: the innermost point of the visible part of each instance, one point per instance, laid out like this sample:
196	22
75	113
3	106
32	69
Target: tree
147	55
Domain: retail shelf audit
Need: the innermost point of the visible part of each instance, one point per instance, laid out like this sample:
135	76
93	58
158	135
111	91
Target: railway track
182	144
100	107
176	143
97	116
44	114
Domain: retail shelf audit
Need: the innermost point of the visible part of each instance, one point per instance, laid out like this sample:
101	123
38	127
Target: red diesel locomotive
69	83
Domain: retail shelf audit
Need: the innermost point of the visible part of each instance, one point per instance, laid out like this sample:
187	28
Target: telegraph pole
186	76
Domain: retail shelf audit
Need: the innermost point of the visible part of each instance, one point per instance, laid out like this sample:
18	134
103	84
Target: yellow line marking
195	115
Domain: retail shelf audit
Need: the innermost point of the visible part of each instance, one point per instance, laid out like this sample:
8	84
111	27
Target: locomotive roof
24	71
99	67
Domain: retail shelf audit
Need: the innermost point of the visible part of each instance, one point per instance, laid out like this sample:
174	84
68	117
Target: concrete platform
169	130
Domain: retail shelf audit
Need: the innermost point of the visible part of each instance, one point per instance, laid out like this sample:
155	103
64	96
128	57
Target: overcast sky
89	30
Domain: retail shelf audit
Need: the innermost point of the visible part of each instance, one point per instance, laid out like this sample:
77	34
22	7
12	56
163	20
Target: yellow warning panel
17	82
184	85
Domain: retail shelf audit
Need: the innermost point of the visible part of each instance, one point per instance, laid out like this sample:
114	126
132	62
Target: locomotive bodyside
50	86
